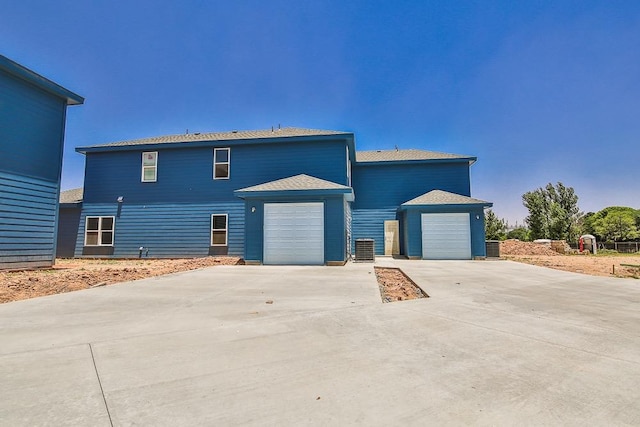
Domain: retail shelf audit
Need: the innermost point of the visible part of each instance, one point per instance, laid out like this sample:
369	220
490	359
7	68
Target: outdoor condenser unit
365	250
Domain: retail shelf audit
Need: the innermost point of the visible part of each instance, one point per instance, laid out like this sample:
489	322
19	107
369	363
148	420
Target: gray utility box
493	248
365	250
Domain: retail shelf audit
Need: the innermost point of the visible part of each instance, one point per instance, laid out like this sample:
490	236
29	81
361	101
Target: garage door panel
294	233
446	236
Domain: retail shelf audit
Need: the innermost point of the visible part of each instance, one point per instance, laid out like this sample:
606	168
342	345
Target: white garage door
293	233
446	236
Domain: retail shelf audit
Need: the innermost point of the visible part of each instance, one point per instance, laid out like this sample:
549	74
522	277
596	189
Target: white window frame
100	230
226	230
145	167
228	162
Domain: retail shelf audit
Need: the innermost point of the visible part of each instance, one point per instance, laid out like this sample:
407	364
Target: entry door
391	237
293	233
446	236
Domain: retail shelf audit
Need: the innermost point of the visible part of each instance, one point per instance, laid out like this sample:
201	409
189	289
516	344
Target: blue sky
539	91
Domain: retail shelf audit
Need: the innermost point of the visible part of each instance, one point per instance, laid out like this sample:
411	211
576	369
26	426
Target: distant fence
623	247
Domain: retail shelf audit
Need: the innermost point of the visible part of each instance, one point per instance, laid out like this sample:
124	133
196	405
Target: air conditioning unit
365	250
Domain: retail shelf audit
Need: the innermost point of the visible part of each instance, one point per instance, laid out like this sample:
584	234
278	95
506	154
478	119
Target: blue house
278	196
32	121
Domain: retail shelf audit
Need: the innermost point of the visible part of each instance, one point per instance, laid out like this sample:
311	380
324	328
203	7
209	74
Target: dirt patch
75	274
516	247
397	286
595	265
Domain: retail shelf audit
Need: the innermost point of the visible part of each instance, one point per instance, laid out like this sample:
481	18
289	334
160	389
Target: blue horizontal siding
383	185
185	175
369	224
167	230
32	126
68	223
28	208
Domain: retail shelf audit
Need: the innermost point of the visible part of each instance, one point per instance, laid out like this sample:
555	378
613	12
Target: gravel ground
396	286
75	274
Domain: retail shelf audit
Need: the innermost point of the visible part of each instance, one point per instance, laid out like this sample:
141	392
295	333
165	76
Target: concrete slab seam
104	399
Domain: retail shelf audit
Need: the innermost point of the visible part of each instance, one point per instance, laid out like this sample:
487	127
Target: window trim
154	167
228	162
100	230
226	230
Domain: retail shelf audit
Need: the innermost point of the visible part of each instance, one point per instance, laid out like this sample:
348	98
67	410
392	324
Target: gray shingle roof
224	136
298	182
71	196
439	197
405	155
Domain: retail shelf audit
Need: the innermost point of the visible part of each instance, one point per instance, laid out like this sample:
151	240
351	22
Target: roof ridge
230	135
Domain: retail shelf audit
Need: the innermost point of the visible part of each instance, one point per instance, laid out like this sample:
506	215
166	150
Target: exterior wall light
120	199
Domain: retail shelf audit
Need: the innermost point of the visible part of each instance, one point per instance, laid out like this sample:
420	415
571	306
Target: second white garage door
293	233
446	236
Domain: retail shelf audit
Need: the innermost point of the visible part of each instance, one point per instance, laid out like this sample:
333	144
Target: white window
219	230
221	161
99	230
149	166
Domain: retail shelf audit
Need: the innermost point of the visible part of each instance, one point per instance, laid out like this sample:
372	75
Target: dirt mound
516	247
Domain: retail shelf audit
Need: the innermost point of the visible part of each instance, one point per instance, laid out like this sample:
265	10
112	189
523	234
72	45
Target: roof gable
440	197
300	182
407	155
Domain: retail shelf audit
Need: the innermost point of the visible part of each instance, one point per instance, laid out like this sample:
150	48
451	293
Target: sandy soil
595	265
75	274
396	286
609	266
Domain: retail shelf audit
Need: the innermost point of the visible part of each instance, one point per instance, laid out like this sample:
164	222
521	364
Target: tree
553	212
614	223
520	233
494	227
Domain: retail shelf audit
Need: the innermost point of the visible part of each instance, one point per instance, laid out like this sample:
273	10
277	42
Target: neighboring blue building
32	121
279	196
68	222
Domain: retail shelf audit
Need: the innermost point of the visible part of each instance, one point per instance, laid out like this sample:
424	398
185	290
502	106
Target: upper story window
150	166
221	162
99	231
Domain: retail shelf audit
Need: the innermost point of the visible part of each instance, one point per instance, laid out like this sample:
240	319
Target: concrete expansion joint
104	399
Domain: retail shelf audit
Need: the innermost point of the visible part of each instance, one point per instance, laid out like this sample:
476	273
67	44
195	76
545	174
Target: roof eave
213	142
470	160
39	81
250	194
454	205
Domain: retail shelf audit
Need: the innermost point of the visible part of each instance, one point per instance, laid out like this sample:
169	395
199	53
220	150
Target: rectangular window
221	161
219	230
149	166
99	231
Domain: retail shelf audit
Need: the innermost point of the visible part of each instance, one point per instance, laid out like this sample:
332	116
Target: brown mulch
75	274
396	286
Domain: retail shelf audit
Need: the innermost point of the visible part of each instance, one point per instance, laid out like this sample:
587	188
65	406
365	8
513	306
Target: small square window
221	162
99	231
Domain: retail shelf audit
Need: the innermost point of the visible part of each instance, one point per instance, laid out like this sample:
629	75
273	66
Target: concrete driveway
498	343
